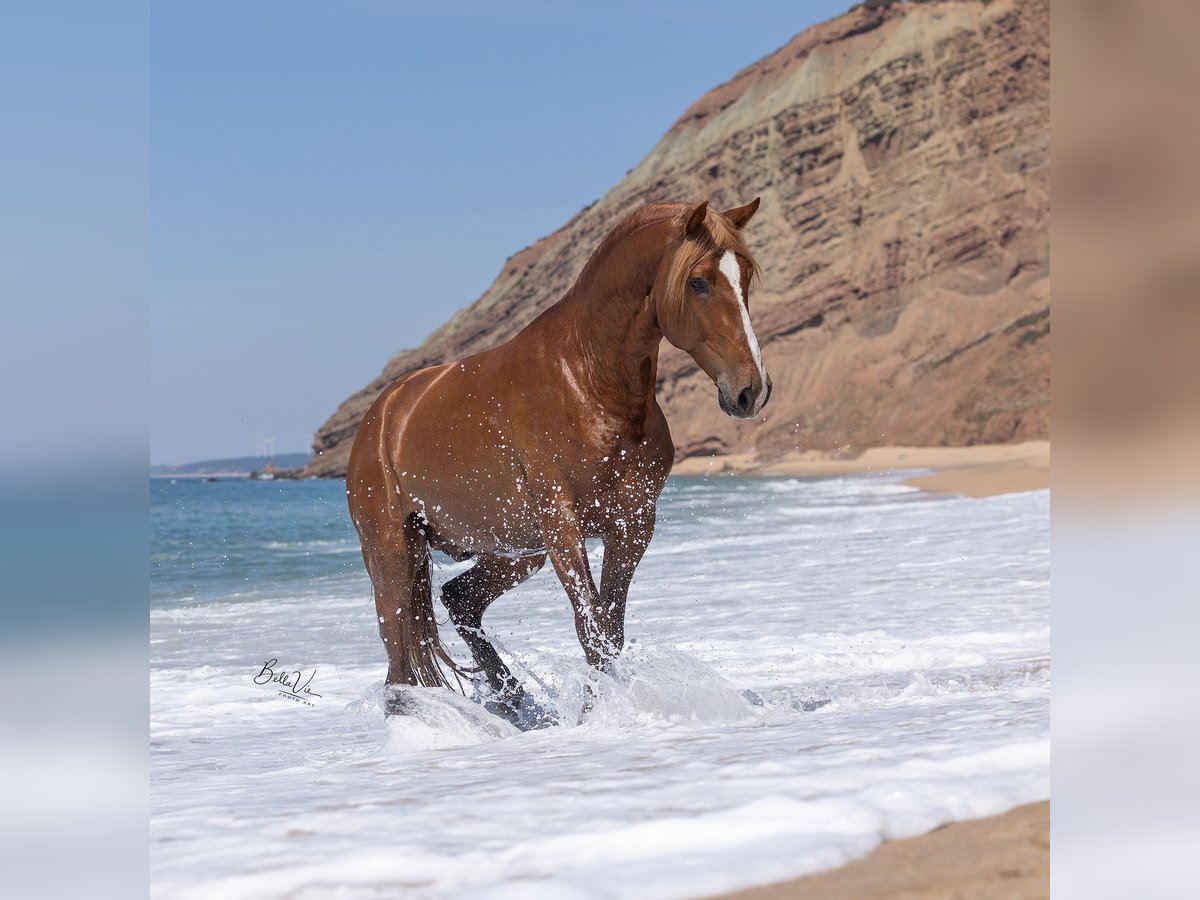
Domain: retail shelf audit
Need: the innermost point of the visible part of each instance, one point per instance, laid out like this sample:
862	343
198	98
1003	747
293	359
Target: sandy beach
1005	857
980	471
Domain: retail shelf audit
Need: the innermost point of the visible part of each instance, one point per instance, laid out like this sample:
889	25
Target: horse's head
702	298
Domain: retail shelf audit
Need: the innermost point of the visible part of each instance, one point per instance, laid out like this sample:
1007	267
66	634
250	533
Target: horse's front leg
624	548
567	551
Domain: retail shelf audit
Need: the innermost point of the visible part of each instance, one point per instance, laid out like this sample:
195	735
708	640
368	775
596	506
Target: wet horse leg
394	569
568	553
467	597
623	550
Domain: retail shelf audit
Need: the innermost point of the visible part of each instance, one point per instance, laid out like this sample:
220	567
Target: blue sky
74	139
330	181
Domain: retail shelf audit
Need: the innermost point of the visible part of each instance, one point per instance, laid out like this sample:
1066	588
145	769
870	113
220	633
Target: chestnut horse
524	451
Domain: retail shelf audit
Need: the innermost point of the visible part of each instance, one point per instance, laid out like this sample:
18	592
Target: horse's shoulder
658	433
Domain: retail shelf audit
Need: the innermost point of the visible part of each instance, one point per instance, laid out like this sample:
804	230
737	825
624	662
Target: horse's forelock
718	236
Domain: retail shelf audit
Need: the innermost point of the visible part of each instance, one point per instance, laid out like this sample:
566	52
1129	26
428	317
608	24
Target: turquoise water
240	540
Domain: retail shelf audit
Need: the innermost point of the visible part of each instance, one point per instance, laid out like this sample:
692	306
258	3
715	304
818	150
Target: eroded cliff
902	154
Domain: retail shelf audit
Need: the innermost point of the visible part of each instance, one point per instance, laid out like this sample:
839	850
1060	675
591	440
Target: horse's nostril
745	400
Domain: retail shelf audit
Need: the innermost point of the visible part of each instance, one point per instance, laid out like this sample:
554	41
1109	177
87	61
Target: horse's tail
423	651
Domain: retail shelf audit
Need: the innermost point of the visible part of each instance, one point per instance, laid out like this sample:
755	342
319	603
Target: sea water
812	666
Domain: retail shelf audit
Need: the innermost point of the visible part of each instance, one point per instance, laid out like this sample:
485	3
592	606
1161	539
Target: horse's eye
699	285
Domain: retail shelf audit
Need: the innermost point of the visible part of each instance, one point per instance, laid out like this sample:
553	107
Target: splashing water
813	666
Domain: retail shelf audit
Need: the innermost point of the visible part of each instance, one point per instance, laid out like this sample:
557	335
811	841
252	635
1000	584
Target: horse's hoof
522	711
503	709
535	717
586	709
396	701
810	705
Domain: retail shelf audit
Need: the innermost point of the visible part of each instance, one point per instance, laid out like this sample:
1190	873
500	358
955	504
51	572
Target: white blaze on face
732	270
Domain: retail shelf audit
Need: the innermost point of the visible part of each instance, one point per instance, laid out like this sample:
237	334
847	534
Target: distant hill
235	465
902	153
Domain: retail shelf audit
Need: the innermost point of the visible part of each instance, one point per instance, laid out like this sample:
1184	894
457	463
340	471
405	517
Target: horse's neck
613	326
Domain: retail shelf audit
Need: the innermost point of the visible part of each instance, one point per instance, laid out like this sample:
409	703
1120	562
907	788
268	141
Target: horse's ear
695	222
740	215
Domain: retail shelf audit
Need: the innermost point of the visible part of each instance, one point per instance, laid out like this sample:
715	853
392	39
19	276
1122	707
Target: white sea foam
813	667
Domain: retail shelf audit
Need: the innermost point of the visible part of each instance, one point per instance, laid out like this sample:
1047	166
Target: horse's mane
717	236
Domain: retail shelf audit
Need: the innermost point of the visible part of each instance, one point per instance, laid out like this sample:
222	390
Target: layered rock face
902	155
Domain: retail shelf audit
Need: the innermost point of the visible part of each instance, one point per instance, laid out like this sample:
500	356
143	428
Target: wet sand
1005	857
980	471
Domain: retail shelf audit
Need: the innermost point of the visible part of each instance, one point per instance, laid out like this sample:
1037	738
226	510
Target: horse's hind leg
468	595
392	570
397	559
392	573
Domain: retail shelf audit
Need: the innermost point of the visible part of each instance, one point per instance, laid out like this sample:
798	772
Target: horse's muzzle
745	405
